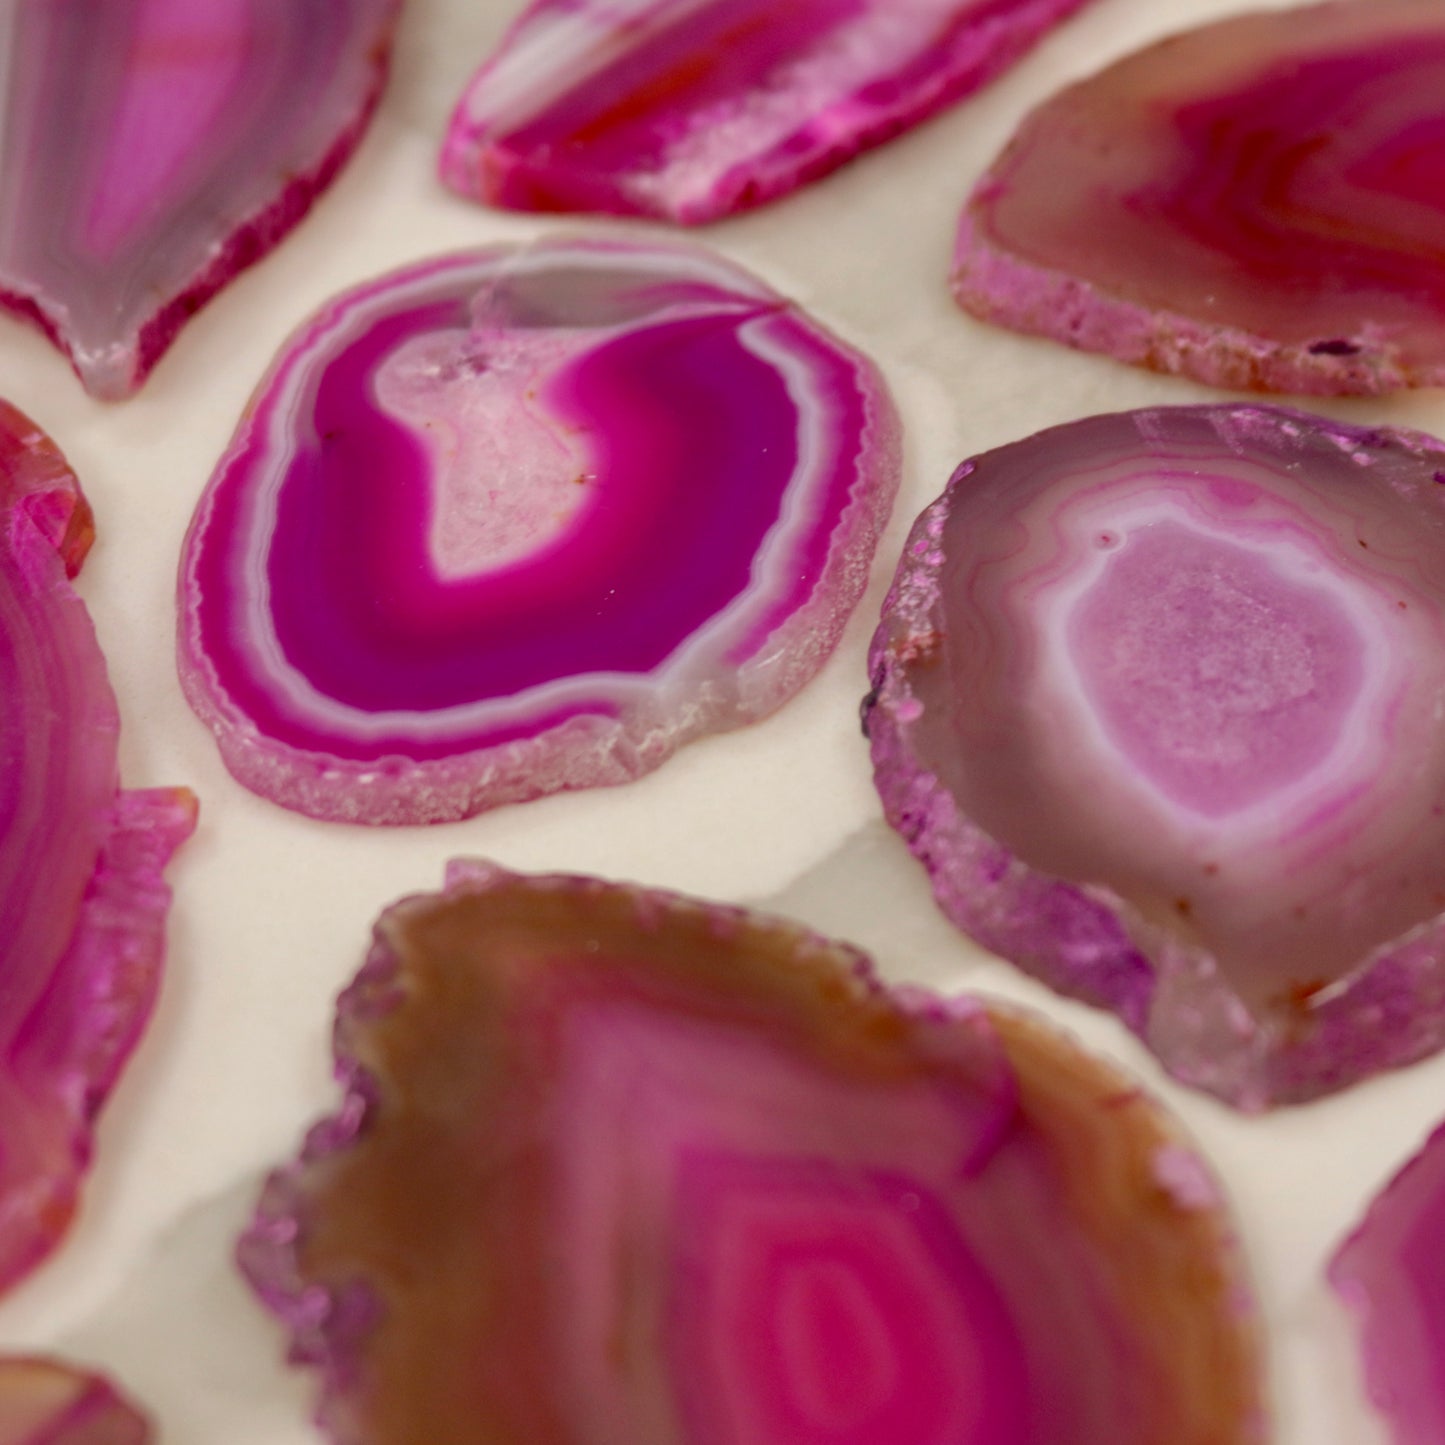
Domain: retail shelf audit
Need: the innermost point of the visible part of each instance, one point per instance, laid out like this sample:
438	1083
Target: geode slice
618	1167
44	1402
151	149
1158	701
1390	1273
1259	203
82	901
522	520
694	109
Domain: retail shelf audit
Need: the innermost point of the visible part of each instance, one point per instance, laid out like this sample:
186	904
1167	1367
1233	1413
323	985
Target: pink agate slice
1158	701
522	520
43	1402
622	1168
1259	203
694	109
1391	1274
152	149
82	900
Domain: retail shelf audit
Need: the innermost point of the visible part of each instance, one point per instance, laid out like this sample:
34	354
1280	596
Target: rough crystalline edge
67	1052
1079	938
476	160
46	1402
1009	290
585	751
327	1326
121	370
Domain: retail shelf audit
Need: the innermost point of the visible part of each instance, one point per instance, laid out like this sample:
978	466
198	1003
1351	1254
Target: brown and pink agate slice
622	1168
1259	204
45	1402
152	149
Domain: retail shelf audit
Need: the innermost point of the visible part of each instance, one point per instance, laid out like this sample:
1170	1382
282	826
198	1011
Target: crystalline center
508	481
1221	679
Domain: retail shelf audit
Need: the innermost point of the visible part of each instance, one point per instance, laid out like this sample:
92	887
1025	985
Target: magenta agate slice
1158	702
623	1168
152	149
82	900
694	109
1259	203
1391	1274
44	1402
522	520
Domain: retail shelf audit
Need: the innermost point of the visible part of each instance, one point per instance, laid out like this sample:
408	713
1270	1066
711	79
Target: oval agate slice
1391	1275
522	520
151	149
694	109
82	900
44	1402
622	1168
1158	701
1259	203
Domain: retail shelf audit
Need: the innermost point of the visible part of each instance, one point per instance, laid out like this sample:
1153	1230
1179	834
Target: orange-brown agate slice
616	1166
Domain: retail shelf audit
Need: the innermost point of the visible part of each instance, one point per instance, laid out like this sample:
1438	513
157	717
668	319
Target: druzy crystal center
1222	681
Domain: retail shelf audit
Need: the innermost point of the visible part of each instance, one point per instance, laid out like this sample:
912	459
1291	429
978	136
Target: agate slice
1391	1275
152	149
43	1402
1158	702
621	1168
1259	203
82	900
694	109
522	520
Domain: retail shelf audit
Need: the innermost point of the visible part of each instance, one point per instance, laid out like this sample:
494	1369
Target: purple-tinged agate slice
45	1402
694	109
82	900
528	519
152	149
1158	701
623	1168
1391	1274
1259	203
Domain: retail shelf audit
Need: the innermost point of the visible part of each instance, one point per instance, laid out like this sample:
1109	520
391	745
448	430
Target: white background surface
273	911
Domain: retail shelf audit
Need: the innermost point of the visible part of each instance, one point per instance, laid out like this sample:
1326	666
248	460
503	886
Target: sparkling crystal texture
151	149
1158	701
623	1168
1259	204
82	900
522	520
693	109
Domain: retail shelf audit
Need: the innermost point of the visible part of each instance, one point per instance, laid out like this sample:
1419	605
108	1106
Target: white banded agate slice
693	109
1158	701
152	149
522	520
615	1167
1258	203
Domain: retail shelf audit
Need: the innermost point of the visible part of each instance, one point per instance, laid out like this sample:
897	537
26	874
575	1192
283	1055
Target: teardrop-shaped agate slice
82	901
1391	1274
44	1402
522	520
1259	203
622	1168
694	109
151	149
1160	703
